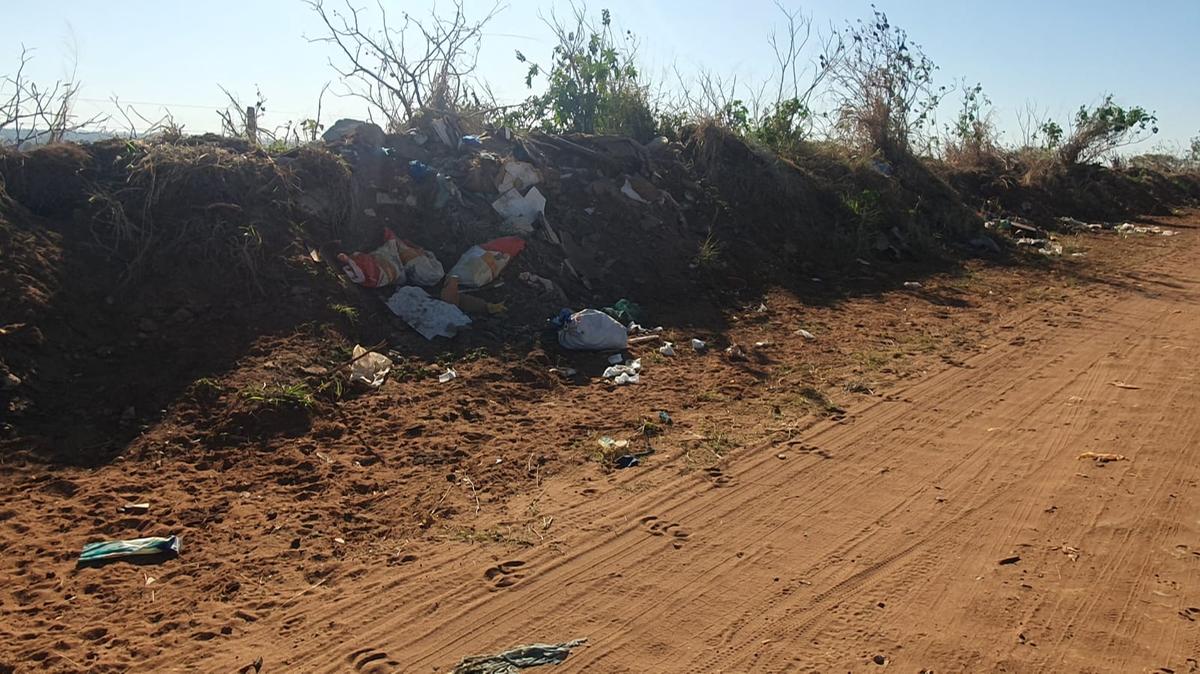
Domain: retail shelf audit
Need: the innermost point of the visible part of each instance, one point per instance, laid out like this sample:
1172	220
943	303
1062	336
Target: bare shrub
401	69
31	113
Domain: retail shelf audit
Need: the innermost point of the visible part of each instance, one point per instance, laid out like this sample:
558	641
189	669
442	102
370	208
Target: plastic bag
591	330
482	264
520	212
371	369
396	262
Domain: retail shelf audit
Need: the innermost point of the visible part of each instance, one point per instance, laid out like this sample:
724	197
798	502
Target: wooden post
252	124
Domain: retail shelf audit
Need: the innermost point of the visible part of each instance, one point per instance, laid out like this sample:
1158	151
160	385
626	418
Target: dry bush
31	113
883	88
401	69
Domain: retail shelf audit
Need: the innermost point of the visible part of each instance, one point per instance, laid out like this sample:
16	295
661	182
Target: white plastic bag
371	369
592	330
518	174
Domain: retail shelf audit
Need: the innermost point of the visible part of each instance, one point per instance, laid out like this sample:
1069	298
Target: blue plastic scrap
134	547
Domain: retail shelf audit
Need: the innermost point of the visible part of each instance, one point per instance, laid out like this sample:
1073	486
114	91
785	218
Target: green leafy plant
295	396
1095	132
348	312
592	83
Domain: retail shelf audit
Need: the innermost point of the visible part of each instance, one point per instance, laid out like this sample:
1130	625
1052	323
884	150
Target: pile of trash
1024	234
435	188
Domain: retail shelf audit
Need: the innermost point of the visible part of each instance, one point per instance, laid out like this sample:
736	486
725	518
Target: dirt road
949	526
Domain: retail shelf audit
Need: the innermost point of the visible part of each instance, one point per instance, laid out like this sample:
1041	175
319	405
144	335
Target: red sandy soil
835	504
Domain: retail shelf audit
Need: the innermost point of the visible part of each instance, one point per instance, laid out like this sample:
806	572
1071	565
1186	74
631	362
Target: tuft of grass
348	312
709	255
206	389
819	400
296	396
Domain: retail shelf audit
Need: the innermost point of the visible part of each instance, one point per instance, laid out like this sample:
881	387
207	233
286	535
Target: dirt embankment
168	337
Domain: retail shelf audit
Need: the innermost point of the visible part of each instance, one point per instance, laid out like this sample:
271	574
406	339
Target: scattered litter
665	418
763	344
882	167
1051	248
428	316
448	375
368	367
912	284
698	345
1102	457
1070	552
1128	228
482	264
470	141
135	508
134	547
616	359
781	457
627	190
563	371
535	281
396	262
1009	560
520	212
520	657
1121	384
517	175
806	334
625	311
608	444
629	373
735	352
592	330
667	349
419	170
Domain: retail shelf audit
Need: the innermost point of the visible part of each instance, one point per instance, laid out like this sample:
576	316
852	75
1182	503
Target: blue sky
174	54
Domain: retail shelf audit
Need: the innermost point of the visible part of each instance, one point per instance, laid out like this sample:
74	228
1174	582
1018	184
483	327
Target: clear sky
1057	54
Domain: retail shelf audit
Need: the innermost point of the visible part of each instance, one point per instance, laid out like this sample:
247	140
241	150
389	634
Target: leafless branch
395	75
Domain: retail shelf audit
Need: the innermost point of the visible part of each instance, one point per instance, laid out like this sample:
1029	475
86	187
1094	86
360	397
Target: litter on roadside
698	344
735	352
628	373
592	330
806	334
448	375
1102	457
368	367
482	264
667	349
517	175
520	212
1121	384
520	657
135	508
912	285
396	262
134	547
428	316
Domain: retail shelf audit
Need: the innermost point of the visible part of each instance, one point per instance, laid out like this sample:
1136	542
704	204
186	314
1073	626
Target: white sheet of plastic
520	212
428	316
371	369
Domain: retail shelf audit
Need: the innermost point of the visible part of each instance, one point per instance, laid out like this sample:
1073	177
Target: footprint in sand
655	527
504	574
718	477
371	661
